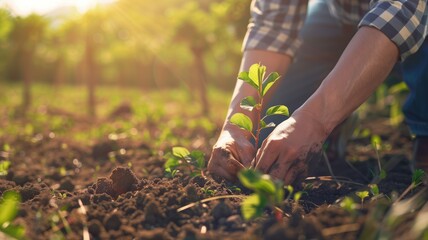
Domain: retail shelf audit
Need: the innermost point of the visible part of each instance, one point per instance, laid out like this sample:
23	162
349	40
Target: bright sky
25	7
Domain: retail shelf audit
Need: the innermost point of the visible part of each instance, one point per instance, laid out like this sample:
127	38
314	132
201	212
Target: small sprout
62	171
267	193
382	174
348	204
417	177
208	191
374	189
4	167
297	196
6	147
376	142
290	191
362	195
181	157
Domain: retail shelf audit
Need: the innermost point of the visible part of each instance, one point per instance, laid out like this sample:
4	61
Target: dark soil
129	197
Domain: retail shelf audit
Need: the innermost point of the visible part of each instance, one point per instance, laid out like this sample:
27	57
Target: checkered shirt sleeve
402	21
275	25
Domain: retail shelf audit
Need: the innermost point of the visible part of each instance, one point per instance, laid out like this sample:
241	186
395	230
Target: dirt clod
112	221
123	180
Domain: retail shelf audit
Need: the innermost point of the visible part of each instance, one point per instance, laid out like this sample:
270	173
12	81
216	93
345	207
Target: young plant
8	211
255	77
374	189
267	193
376	142
417	178
362	195
181	157
349	205
4	167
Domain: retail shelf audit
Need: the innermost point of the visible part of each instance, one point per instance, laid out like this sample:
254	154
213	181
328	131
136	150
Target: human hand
286	152
232	152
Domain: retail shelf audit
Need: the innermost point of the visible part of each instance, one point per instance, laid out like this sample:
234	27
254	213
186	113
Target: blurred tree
26	37
6	27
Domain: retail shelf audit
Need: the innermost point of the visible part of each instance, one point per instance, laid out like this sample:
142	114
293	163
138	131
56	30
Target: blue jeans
324	40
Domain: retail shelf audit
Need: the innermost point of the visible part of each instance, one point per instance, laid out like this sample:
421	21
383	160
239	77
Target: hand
232	152
285	153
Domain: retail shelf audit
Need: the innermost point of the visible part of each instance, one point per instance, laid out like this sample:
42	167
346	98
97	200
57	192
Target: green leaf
9	206
418	176
4	167
376	142
253	206
268	83
14	231
246	78
255	74
180	152
362	195
297	196
348	204
248	103
277	110
242	121
171	161
279	192
374	189
382	174
198	158
256	181
264	125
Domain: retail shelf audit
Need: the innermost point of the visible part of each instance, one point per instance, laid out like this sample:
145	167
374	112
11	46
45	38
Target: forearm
274	62
363	66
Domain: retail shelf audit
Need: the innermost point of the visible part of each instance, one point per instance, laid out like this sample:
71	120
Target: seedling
8	211
267	193
417	178
376	142
4	167
374	189
349	205
208	191
256	78
181	157
362	195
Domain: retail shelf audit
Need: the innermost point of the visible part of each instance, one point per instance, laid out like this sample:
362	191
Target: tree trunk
27	71
201	80
90	75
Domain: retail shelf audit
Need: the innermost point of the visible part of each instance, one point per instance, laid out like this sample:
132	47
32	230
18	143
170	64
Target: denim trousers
324	39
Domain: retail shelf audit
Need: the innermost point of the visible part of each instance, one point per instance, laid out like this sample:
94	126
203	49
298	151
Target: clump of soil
121	180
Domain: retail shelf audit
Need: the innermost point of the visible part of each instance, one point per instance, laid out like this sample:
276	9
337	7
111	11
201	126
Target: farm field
104	178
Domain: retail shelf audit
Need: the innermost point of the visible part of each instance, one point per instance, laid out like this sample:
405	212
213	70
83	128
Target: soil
128	197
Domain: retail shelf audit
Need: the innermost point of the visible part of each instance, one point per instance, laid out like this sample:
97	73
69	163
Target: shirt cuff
403	21
265	38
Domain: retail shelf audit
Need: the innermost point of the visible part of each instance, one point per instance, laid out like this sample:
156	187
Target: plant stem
410	187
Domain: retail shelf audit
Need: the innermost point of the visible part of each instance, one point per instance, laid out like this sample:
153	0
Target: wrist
313	118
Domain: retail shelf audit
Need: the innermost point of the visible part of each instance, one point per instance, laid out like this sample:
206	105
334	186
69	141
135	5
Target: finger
266	156
223	163
244	153
280	168
247	155
293	173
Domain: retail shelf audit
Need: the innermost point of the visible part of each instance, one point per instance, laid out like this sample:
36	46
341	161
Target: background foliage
128	42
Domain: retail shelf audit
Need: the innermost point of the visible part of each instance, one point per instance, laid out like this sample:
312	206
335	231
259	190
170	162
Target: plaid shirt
275	24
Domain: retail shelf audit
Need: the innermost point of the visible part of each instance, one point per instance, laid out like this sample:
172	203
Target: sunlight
25	7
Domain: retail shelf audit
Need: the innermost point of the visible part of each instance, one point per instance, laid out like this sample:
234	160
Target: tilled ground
121	186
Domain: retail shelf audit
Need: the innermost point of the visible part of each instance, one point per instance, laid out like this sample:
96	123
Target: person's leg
415	74
324	39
